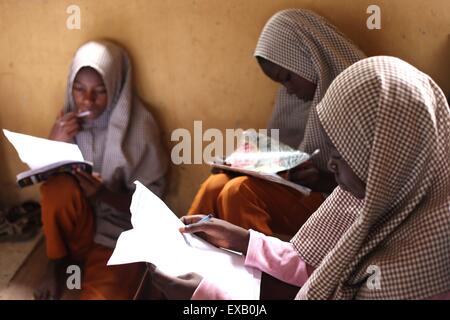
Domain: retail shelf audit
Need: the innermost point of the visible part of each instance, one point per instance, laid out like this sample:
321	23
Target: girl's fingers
72	132
192	219
86	176
160	279
84	182
69	116
196	227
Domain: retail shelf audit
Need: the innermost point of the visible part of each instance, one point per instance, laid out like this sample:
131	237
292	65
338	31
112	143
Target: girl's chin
345	188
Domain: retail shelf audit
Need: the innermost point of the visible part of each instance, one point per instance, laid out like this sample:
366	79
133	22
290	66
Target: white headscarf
124	142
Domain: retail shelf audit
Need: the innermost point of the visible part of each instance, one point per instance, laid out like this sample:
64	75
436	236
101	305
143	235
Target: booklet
263	157
45	157
156	238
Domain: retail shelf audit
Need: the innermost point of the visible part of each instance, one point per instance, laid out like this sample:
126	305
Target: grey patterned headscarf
399	145
307	44
124	142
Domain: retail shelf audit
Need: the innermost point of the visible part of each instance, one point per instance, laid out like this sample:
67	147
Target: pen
315	153
202	220
83	114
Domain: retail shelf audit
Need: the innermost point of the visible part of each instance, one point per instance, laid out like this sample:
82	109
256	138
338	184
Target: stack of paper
155	238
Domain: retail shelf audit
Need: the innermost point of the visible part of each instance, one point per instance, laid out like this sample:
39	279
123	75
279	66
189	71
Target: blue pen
204	219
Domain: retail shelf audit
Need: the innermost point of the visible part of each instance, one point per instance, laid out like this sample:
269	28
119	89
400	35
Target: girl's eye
288	77
100	91
76	88
335	157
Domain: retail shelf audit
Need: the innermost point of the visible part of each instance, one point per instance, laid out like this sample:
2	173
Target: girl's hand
174	288
218	232
65	127
306	174
92	185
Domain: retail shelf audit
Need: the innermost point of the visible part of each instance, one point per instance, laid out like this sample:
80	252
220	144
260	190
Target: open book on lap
273	177
263	157
45	158
31	177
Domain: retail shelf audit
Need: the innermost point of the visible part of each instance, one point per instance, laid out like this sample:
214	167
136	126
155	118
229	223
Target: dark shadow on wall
8	189
10	193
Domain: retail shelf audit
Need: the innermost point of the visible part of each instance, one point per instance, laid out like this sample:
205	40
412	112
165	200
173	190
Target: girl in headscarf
303	52
384	233
83	215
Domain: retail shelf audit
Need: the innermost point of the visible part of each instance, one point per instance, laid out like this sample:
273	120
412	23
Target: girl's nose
89	98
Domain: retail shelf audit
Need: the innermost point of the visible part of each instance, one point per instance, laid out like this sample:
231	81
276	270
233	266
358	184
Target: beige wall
192	59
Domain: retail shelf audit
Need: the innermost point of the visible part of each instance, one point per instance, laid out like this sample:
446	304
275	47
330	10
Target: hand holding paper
38	152
156	238
45	158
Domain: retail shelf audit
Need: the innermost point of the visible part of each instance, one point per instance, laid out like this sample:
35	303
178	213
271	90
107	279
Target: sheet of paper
155	238
39	152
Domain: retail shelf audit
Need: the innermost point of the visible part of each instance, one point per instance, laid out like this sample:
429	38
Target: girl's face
294	84
89	92
344	175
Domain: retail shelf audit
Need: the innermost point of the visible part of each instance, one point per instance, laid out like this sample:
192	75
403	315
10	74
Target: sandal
29	209
21	230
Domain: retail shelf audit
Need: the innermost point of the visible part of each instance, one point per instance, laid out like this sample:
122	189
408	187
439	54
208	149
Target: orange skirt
68	224
256	204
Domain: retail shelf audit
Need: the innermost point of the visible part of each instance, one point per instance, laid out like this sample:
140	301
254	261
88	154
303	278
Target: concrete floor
28	277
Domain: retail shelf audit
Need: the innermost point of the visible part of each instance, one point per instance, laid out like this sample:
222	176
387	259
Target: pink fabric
274	257
268	254
277	258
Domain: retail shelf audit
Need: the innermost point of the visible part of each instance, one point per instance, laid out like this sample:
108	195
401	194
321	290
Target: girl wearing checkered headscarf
391	124
311	50
122	140
384	233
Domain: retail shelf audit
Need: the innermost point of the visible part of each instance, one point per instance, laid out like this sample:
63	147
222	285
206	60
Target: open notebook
263	157
155	238
45	157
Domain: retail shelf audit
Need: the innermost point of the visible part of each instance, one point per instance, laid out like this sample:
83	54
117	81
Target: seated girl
304	53
384	233
83	214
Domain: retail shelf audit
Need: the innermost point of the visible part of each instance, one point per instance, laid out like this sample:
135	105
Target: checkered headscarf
308	45
391	123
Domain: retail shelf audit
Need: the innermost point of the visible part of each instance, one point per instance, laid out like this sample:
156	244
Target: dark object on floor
20	223
30	209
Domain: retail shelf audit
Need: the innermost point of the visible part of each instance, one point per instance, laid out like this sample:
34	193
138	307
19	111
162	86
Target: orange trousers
68	224
256	204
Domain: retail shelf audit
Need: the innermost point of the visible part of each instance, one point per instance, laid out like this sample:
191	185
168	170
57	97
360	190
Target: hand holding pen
204	219
67	125
217	232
